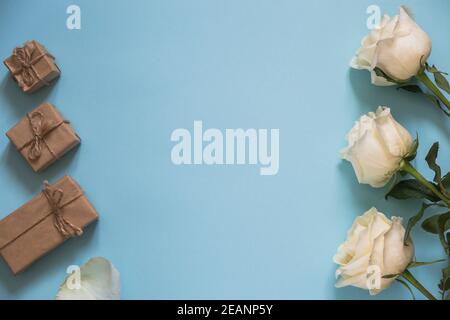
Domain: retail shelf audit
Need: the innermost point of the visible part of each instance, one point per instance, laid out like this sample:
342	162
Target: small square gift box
43	136
31	66
59	212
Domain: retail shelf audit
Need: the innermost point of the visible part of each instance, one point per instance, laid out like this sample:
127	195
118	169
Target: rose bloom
376	146
373	240
398	47
97	279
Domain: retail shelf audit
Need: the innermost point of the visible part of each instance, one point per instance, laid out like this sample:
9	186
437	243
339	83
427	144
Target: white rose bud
397	46
376	147
374	248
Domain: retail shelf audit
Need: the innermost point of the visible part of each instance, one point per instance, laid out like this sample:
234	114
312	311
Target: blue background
137	70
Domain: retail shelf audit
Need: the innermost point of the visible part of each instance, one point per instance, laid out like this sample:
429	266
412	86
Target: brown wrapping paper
31	66
54	134
32	230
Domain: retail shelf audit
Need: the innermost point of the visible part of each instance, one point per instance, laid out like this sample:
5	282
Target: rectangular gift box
59	212
31	66
43	136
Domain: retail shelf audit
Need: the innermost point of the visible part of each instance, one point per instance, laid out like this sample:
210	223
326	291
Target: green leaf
444	221
413	221
446	180
429	68
431	160
444	225
442	82
407	287
390	276
411	155
432	224
411	189
433	69
411	88
416	264
439	77
439	224
383	74
444	285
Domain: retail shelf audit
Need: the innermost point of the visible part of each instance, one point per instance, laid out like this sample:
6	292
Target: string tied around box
56	204
54	198
24	57
40	128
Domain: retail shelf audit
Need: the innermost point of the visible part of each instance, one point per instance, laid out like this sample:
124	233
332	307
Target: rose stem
430	85
412	280
407	167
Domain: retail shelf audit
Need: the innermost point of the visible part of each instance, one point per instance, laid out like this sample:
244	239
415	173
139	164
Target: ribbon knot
24	56
54	198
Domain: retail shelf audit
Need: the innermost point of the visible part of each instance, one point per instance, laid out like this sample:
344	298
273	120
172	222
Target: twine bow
24	56
54	197
40	127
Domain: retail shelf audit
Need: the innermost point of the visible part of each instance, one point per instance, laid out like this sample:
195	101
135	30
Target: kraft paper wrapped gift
59	212
43	136
32	66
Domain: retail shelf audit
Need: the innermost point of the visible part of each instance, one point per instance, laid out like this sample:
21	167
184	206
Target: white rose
398	46
98	279
376	146
373	241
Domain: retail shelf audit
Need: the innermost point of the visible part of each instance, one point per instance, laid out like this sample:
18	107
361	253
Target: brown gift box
32	66
43	136
59	212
